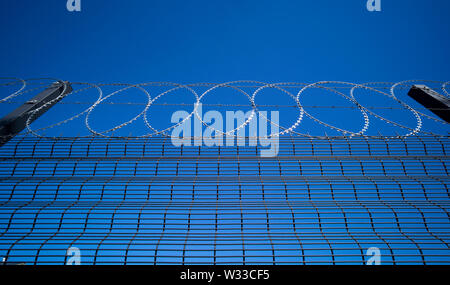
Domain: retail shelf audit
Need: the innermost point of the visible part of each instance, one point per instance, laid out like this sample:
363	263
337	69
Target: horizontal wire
235	105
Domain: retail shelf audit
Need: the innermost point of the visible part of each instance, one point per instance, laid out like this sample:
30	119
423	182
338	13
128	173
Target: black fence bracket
16	121
433	101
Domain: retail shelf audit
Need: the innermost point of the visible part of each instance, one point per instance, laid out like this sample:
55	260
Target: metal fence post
13	123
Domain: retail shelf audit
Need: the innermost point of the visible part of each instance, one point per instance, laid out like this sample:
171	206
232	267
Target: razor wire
335	87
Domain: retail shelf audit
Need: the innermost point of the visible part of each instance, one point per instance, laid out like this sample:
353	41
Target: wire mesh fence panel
145	201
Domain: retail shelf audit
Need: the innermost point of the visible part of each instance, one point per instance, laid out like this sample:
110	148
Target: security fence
332	199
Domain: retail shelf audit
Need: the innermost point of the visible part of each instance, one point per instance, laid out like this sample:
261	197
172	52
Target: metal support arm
16	121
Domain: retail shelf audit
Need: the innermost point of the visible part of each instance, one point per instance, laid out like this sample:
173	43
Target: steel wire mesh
144	201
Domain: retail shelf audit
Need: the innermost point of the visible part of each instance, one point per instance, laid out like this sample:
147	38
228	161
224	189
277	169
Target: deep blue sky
220	41
194	41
